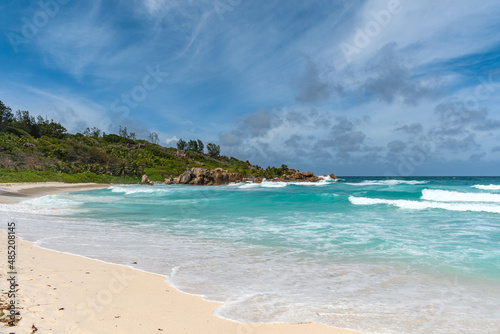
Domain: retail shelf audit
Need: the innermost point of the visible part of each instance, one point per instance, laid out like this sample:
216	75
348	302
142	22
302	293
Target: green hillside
39	150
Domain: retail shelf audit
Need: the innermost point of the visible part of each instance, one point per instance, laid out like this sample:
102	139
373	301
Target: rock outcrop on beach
202	176
297	177
146	181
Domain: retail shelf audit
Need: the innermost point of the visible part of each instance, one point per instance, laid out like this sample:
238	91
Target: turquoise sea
378	255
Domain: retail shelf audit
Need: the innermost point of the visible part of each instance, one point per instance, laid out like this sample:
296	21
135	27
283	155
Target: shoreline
69	293
11	193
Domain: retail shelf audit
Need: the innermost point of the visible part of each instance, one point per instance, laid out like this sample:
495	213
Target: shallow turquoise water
408	255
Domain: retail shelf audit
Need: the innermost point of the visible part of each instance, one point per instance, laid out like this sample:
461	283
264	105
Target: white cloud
77	40
172	140
429	29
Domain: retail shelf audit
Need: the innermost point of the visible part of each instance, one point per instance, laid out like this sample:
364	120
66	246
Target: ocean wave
247	185
386	182
274	184
280	184
417	205
484	187
327	178
455	196
52	201
313	184
129	190
45	205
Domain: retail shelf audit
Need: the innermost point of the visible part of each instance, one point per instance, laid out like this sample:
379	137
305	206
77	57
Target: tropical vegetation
35	149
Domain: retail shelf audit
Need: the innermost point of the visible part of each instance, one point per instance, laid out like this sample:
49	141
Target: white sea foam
269	184
386	182
490	187
45	205
248	185
417	205
455	196
327	178
280	184
32	209
52	201
129	190
233	184
310	184
324	181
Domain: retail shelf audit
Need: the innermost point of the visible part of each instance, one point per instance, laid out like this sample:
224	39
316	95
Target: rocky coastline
219	176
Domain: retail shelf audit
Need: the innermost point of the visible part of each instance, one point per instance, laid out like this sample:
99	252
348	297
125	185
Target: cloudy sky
391	88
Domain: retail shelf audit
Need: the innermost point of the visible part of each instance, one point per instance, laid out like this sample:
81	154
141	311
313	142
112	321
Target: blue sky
391	88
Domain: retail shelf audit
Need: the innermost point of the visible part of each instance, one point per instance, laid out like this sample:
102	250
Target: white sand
63	293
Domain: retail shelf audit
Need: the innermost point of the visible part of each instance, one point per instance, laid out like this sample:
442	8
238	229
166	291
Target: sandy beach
64	293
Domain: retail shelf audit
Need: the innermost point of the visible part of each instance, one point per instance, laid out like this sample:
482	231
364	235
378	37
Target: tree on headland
122	132
44	127
213	150
94	132
195	145
192	145
200	146
6	116
23	124
181	144
284	169
153	138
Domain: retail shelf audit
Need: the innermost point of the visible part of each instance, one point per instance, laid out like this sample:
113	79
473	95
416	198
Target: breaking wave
423	205
129	190
455	196
386	182
484	187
